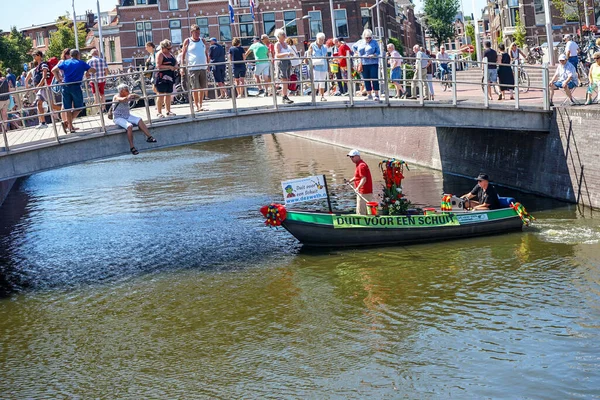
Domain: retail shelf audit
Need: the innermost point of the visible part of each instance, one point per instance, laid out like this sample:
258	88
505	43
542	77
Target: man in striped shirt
99	76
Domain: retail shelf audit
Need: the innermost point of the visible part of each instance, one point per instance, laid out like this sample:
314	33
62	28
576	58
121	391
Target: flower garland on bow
392	196
522	213
274	213
447	202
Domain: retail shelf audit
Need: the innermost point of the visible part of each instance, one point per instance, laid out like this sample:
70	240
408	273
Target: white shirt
423	58
444	57
564	71
196	54
571	49
395	59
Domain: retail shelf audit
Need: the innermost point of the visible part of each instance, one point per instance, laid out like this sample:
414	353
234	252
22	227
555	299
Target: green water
154	277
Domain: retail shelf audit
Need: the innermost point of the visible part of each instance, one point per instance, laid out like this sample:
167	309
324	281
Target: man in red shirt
363	182
342	50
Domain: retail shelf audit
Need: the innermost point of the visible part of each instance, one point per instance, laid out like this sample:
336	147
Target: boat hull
319	230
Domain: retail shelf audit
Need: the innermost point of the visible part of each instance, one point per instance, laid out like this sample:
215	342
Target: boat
400	224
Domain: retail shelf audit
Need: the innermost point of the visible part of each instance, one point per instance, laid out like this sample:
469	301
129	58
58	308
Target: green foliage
470	32
64	37
520	33
14	51
441	15
397	44
570	10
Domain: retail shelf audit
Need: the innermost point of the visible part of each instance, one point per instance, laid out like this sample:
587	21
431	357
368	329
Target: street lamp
294	20
549	38
378	28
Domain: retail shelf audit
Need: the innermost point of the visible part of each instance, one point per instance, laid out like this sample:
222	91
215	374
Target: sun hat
562	57
483	177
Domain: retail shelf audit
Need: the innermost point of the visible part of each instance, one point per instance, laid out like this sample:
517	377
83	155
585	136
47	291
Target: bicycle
445	79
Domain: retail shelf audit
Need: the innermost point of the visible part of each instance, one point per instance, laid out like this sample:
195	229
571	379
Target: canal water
154	277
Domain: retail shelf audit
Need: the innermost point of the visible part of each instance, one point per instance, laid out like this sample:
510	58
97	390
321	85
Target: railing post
50	101
145	96
516	73
4	127
546	84
386	82
404	76
454	96
100	106
349	68
486	83
272	73
232	87
190	93
311	74
418	64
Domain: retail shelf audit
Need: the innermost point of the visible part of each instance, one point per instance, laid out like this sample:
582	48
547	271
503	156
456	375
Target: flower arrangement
274	213
392	197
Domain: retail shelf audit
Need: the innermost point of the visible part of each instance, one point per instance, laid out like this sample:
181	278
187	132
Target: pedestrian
571	50
99	77
363	183
342	51
22	78
283	52
594	78
492	71
420	64
505	74
216	53
165	77
40	74
123	118
262	64
317	51
194	55
150	64
72	97
236	55
430	67
395	60
5	89
368	50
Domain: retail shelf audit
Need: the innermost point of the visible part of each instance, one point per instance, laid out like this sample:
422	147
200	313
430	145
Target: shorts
574	60
320	79
198	79
128	122
72	96
492	75
396	75
559	84
219	73
239	73
284	69
262	69
41	94
4	105
101	86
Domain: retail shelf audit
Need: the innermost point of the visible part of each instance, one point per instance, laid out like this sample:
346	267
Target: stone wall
5	187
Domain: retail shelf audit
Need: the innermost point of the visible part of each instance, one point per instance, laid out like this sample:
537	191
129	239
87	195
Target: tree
520	33
14	50
441	15
64	37
470	33
397	44
571	10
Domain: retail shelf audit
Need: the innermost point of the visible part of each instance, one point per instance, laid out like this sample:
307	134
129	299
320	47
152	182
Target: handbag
319	61
111	110
334	68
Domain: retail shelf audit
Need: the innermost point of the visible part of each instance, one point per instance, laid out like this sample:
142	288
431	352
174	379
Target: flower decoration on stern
522	213
392	197
274	213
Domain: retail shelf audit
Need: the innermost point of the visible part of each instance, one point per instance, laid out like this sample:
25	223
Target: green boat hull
318	229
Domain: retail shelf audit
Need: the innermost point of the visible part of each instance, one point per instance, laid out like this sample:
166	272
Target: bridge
29	150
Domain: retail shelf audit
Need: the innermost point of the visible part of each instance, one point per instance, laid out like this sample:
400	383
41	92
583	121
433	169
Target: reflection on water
154	277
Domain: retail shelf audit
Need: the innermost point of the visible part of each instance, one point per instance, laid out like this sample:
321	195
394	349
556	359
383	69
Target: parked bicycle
535	55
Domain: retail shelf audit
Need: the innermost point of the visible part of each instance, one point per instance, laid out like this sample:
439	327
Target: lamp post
294	20
378	27
100	30
333	34
75	25
549	38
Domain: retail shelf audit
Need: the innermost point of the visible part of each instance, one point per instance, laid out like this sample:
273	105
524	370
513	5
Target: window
365	16
269	23
292	28
316	23
244	3
246	25
173	6
203	24
513	11
341	22
112	50
141	2
143	32
175	28
39	39
571	11
224	28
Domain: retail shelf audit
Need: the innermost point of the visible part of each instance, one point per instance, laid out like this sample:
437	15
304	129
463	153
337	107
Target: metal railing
19	134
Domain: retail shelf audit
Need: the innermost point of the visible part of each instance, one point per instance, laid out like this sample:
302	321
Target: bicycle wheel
494	87
523	81
583	74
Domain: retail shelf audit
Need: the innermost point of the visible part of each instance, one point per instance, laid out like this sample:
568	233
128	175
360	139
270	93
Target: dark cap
483	177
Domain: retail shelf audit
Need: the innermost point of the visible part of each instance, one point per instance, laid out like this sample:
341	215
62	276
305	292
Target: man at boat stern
363	183
486	195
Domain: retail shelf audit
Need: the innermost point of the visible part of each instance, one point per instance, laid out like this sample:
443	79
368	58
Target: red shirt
362	171
342	51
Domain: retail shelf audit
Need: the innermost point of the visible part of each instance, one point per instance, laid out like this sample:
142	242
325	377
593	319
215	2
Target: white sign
469	218
304	189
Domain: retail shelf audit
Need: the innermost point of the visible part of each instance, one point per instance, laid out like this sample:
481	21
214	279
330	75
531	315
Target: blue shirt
216	52
12	79
365	49
73	70
317	53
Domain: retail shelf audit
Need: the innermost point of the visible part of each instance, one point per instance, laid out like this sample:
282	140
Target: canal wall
5	187
562	164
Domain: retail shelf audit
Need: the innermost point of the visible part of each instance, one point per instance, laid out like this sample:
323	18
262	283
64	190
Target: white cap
562	57
353	153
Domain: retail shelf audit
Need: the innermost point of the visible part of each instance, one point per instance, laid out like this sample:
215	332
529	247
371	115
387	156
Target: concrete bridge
32	150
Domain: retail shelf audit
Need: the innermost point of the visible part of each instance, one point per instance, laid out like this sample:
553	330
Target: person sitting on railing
123	118
395	69
565	77
368	51
317	51
443	59
72	97
594	77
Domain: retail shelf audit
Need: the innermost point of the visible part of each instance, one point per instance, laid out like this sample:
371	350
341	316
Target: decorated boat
393	221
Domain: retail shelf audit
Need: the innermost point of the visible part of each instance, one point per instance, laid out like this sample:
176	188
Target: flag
252	9
231	17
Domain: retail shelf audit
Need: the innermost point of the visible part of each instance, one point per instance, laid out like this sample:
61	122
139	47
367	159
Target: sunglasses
369	38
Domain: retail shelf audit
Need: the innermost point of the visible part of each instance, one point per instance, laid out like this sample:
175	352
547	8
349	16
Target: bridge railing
311	80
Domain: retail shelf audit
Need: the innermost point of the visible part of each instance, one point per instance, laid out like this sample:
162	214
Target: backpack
4	88
51	64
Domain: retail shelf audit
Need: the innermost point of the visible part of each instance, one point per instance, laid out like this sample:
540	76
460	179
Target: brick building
111	37
40	34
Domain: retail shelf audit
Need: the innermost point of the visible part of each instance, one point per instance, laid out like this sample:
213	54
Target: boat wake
559	231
